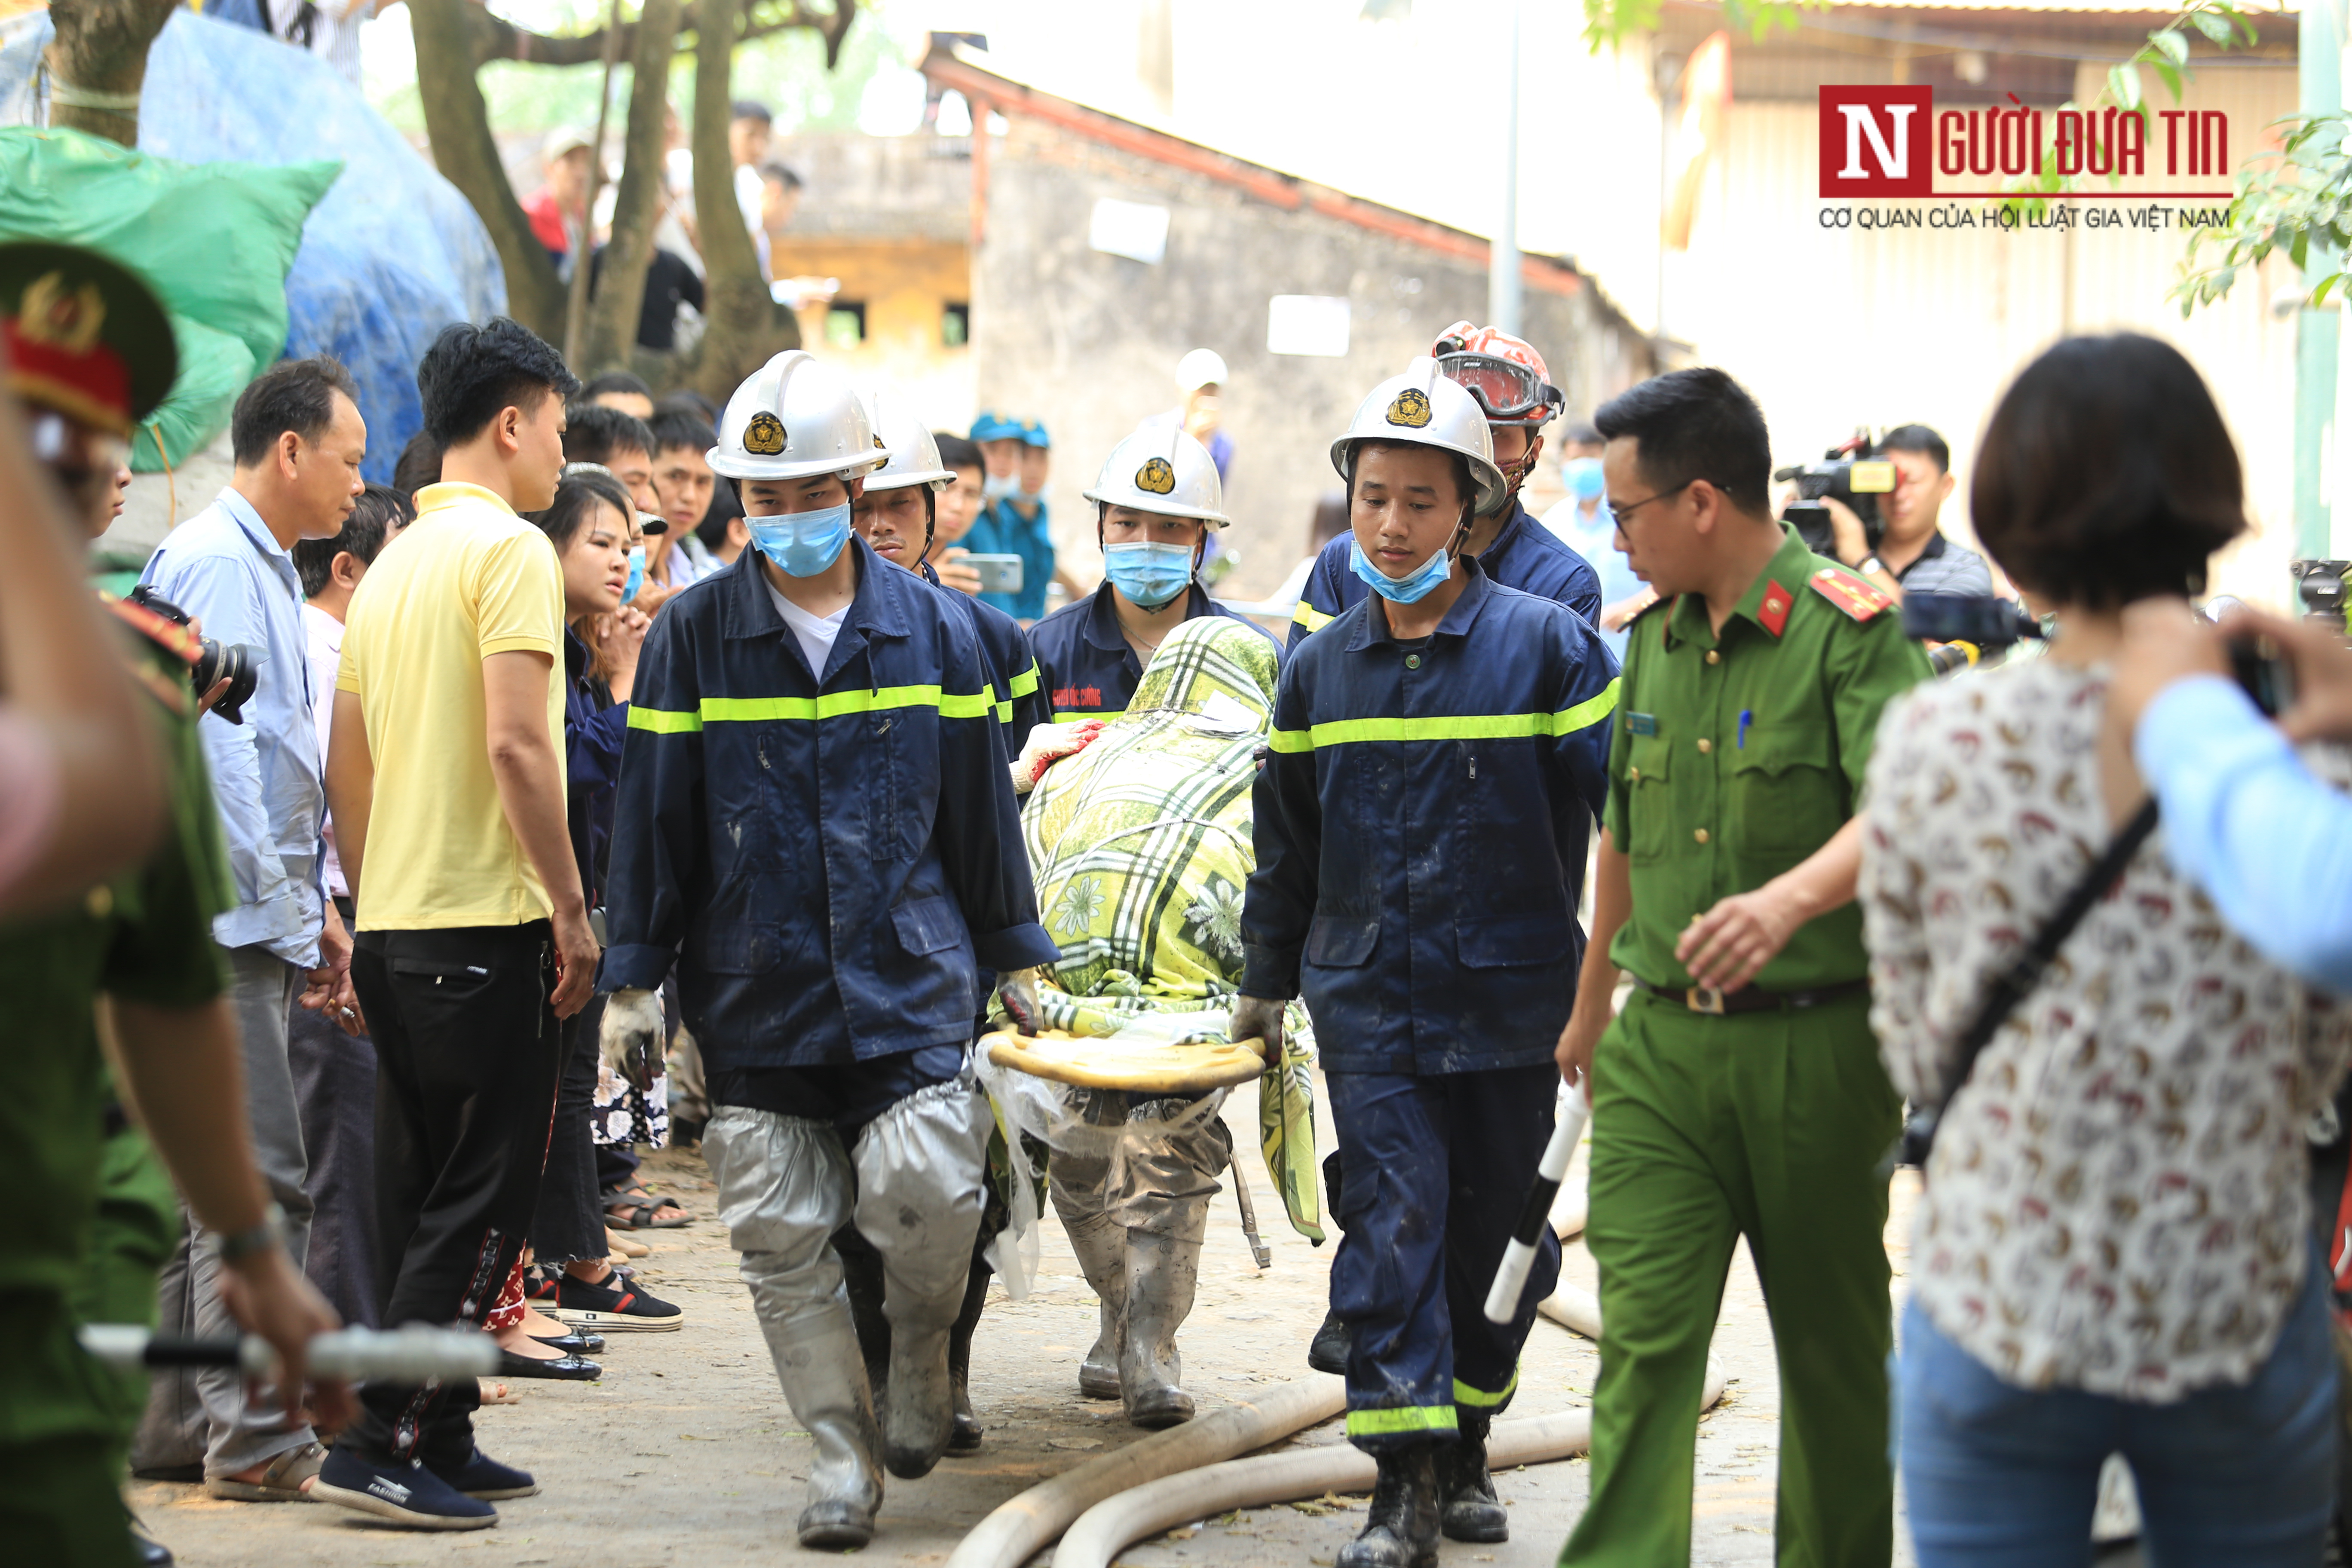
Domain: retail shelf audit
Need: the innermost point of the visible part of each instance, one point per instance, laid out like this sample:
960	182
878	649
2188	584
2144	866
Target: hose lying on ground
1116	1522
1026	1524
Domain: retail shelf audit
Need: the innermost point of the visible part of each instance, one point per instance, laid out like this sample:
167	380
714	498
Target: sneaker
407	1494
483	1477
612	1306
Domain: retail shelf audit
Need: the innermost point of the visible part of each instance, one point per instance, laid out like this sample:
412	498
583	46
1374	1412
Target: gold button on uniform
1714	656
1634	774
1699	834
1704	745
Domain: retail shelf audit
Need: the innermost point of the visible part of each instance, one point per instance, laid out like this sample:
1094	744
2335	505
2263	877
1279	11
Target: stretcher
1087	1062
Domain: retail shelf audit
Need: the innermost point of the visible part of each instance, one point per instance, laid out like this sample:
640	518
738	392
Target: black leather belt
1748	999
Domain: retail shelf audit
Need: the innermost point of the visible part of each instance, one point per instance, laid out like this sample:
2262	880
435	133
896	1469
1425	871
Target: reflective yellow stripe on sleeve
832	705
660	722
1455	727
1026	681
1307	616
1080	715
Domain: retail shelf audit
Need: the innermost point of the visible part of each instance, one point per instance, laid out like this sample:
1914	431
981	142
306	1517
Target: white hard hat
1161	469
914	455
793	419
1200	368
1423	408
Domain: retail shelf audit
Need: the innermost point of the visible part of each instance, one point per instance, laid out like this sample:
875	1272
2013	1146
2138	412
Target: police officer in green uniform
1740	1093
89	352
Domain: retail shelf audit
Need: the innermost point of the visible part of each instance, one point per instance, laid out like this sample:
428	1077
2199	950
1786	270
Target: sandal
281	1482
633	1209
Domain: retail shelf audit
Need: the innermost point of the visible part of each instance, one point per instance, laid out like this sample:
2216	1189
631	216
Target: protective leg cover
1100	1242
784	1189
1162	1270
921	1166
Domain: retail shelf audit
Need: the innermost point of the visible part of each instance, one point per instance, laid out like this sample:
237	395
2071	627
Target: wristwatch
1871	563
235	1246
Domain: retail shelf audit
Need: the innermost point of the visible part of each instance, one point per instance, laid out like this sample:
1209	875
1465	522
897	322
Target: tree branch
101	48
496	39
621	281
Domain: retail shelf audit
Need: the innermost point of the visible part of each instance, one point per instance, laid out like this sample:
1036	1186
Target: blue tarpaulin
390	255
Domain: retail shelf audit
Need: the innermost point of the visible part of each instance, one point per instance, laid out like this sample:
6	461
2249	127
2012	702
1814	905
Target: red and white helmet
1507	377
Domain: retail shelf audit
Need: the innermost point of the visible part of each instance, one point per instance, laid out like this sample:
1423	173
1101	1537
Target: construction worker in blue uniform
896	514
1512	387
1438	758
817	826
1156	500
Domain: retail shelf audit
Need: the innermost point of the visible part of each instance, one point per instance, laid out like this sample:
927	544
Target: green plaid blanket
1141	849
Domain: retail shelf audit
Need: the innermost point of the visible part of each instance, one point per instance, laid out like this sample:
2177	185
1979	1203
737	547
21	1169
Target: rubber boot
965	1436
861	1274
1162	1273
1100	1243
1401	1532
1467	1507
825	1382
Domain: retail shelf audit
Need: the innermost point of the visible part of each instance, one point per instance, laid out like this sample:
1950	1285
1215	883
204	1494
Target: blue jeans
2238	1475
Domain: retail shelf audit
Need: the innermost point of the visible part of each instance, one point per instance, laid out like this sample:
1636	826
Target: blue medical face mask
993	490
637	573
1583	476
1149	574
803	543
1413	586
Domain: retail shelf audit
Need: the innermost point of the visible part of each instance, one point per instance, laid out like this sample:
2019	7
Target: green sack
215	240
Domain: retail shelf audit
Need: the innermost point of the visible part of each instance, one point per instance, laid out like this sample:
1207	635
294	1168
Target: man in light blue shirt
2244	816
1017	454
297	438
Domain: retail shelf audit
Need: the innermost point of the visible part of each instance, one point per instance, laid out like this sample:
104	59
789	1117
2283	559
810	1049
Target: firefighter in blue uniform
816	825
1439	755
1155	501
1512	387
896	515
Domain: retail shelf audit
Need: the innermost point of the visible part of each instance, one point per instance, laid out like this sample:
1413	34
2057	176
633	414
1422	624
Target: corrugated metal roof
2084	7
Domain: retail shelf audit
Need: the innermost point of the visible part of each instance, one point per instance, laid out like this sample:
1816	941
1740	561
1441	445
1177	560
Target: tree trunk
100	50
747	327
612	332
459	124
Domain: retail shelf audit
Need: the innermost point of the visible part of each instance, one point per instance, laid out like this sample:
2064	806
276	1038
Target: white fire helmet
1423	408
1159	468
1201	367
793	419
914	455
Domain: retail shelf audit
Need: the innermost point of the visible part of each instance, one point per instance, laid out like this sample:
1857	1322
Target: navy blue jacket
1021	703
1421	822
830	861
1089	670
1525	555
593	728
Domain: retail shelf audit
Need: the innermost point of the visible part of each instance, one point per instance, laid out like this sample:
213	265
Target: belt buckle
1705	999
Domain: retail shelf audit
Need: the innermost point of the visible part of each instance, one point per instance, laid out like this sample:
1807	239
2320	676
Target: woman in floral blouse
2113	1251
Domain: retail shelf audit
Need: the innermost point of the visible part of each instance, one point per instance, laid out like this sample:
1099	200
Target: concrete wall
1088	341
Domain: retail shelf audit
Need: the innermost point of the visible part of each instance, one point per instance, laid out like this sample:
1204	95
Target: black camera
1850	474
232	662
2321	584
1965	626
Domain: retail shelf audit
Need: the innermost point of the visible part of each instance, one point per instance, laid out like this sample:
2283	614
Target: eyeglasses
1621	512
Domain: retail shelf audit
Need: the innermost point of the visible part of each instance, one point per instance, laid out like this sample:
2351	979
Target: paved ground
685	1451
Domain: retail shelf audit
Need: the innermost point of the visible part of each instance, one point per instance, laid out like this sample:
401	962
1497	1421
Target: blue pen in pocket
1747	717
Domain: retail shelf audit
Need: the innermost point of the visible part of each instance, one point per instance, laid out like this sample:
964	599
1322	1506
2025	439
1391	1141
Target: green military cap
83	334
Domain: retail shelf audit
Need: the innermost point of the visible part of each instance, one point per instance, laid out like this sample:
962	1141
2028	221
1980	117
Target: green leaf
2170	44
2215	27
2169	77
2299	248
2123	86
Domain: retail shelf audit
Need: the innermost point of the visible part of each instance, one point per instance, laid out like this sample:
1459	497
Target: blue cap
1034	432
990	426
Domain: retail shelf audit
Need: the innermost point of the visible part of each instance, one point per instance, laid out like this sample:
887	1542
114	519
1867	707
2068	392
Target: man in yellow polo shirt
446	782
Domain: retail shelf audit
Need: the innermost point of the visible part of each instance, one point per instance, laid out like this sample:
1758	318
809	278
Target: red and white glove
1048	744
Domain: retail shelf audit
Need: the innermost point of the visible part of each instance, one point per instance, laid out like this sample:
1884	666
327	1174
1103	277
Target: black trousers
468	1055
570	1223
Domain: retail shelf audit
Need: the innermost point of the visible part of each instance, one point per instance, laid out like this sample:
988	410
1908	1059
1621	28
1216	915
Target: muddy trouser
1437	1170
898	1145
1154	1184
203	1414
468	1053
